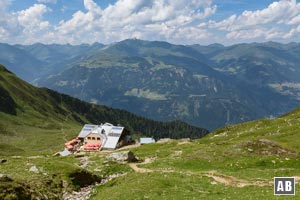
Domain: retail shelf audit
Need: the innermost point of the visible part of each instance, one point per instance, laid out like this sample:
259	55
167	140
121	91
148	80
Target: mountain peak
216	45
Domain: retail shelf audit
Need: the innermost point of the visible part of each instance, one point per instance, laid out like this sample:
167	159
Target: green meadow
233	162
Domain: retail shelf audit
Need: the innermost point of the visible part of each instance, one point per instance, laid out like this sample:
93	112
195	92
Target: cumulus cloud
295	20
294	32
268	34
32	21
177	21
157	19
269	23
4	4
7	21
25	26
32	17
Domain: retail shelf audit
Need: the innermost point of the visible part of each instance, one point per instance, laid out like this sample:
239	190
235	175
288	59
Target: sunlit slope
38	119
235	162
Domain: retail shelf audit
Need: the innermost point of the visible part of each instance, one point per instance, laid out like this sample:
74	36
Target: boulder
3	160
34	169
5	178
123	156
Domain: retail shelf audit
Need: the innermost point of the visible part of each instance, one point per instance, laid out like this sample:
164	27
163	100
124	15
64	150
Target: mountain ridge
235	160
135	74
207	86
28	111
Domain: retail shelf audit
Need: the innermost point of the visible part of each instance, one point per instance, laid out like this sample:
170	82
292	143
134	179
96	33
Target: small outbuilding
65	152
147	140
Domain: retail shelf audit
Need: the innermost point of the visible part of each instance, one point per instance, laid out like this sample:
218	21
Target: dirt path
297	179
235	182
216	176
137	169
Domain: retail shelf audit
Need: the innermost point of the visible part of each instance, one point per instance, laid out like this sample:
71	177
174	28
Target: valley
31	115
232	161
149	100
173	82
206	86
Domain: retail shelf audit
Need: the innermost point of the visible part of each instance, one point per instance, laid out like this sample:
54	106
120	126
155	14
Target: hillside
268	64
232	162
163	81
206	86
30	115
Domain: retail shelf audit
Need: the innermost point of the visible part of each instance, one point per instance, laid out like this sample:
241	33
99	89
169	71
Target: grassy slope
35	123
251	153
39	120
181	169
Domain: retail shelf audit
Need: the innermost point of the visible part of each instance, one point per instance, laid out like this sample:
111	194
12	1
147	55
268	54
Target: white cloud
177	21
254	33
8	25
295	20
4	4
269	23
3	33
47	1
135	18
280	12
25	26
31	20
191	35
292	33
32	17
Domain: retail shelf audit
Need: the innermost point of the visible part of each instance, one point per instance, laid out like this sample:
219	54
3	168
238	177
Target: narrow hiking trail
235	182
137	169
217	177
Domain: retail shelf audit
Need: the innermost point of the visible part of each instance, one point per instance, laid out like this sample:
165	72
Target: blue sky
64	9
176	21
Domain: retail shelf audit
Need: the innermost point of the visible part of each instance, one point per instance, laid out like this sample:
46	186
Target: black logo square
284	186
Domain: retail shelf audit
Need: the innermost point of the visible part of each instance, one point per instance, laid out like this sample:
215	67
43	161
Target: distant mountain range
207	86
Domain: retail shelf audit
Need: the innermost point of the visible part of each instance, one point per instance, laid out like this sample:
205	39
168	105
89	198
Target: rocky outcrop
123	156
34	169
5	178
85	192
268	147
